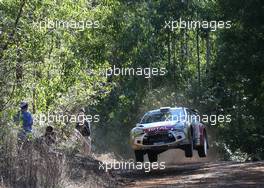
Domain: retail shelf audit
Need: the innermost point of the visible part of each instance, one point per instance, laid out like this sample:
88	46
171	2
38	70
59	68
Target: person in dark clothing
25	118
83	126
50	136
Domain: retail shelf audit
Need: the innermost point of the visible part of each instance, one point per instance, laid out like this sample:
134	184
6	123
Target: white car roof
171	108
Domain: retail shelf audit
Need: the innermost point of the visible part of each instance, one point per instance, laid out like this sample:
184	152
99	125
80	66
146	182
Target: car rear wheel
153	157
139	154
202	150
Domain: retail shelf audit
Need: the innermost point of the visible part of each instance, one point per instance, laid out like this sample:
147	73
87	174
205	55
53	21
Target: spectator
24	119
50	136
83	127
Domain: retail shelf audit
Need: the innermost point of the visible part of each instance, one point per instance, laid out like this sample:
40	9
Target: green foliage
238	74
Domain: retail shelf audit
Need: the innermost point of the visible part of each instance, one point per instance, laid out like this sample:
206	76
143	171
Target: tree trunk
198	59
208	51
169	49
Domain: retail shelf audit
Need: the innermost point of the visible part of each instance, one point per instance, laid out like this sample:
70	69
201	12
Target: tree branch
11	35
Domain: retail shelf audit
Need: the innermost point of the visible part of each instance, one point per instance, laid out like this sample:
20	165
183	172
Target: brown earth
179	172
197	172
211	174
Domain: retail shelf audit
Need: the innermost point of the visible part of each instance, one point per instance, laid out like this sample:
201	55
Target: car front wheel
153	156
139	154
188	150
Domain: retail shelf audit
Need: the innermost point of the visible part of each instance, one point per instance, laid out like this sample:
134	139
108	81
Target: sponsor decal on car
159	129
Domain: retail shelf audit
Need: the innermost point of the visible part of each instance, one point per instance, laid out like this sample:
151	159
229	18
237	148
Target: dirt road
200	174
179	172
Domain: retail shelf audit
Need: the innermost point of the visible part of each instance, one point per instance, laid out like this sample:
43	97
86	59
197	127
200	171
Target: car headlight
137	131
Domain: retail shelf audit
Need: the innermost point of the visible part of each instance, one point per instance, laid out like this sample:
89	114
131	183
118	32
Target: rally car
169	128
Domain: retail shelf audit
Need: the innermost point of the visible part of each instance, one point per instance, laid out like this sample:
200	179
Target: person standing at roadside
83	127
25	120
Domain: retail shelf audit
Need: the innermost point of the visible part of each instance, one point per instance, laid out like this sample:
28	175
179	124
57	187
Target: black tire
139	154
189	147
153	157
188	150
202	150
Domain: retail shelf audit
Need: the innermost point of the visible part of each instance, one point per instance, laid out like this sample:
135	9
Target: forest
121	58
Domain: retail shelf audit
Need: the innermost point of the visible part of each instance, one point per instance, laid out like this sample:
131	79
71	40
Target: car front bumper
159	141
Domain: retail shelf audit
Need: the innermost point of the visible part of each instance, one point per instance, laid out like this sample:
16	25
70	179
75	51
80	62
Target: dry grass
34	164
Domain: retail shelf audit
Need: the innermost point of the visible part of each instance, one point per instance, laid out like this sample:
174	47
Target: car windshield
172	115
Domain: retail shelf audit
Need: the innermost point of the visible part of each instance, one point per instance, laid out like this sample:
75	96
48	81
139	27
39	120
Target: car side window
192	116
195	117
189	115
